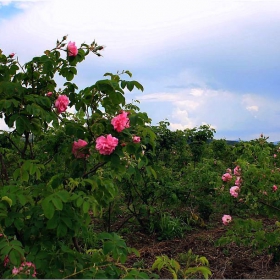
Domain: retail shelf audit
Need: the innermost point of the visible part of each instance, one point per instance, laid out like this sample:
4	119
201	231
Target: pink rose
61	103
274	188
228	170
237	171
234	191
136	139
28	265
120	122
226	177
76	148
106	145
49	93
72	49
238	181
11	55
15	271
226	219
274	155
6	261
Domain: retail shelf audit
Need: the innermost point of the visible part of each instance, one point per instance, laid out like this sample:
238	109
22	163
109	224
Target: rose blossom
72	49
6	260
274	155
49	93
15	271
226	219
237	171
228	170
226	177
61	103
11	55
120	122
274	188
106	145
238	181
234	191
76	148
136	139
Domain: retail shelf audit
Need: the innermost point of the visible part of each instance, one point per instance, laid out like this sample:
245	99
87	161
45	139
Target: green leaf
104	235
128	73
16	174
24	176
56	180
57	203
130	85
67	221
131	148
115	160
15	257
61	230
53	222
63	195
16	243
97	128
108	247
123	84
86	206
22	124
138	85
6	250
48	208
79	202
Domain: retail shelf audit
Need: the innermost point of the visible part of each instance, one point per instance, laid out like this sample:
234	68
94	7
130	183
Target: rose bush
48	196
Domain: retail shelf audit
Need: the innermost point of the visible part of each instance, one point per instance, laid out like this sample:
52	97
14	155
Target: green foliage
192	265
49	195
54	199
169	227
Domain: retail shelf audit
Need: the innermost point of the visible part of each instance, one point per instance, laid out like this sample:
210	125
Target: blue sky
200	62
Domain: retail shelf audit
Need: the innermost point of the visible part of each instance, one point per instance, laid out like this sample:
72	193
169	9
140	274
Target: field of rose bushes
73	186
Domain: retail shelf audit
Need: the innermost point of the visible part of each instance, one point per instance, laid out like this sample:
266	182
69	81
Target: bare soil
227	262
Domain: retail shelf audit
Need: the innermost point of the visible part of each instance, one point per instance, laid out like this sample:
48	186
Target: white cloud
141	34
252	108
130	30
196	92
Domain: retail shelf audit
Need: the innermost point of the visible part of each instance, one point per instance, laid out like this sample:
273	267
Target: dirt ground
227	262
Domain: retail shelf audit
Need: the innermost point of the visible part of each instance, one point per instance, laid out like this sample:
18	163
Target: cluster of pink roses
234	190
105	144
63	101
227	177
26	268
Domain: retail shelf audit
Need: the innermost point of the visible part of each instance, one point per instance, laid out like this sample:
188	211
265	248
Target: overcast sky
200	62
